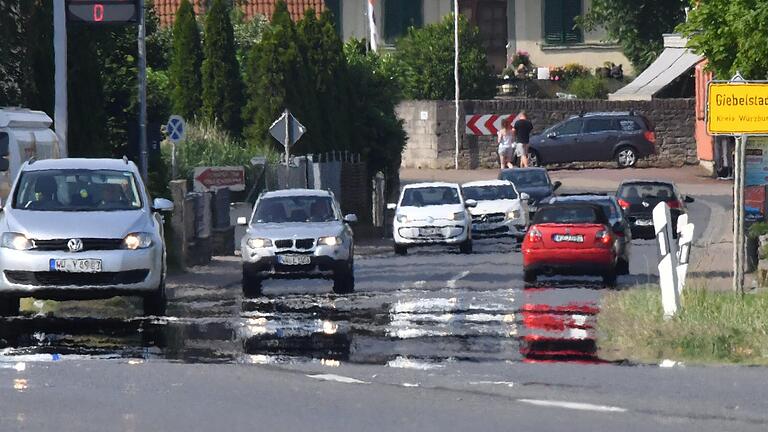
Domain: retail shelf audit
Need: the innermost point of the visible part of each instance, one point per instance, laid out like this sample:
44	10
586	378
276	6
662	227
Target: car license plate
568	238
294	259
482	227
429	231
75	265
643	222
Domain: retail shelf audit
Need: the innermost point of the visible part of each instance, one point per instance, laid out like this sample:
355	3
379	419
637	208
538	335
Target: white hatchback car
501	210
432	214
81	229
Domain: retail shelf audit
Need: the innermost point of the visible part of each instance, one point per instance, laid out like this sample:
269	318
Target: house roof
166	9
674	61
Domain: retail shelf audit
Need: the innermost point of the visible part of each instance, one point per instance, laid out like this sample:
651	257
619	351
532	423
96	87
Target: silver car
298	233
81	229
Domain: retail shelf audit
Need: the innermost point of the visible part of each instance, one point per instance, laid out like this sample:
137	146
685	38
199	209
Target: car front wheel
466	247
9	306
609	278
401	250
533	159
155	303
626	157
251	284
344	279
529	276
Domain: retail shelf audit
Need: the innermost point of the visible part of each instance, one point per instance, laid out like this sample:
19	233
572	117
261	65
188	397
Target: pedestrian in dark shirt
523	128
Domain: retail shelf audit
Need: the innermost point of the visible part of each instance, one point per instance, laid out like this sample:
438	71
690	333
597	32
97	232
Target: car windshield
490	193
77	190
645	191
605	203
526	178
429	196
288	209
567	215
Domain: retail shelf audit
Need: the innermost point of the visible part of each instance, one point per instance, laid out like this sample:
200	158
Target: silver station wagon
81	229
295	234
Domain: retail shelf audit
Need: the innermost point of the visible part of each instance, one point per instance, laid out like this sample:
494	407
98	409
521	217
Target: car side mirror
470	203
242	221
552	135
556	185
162	205
391	206
524	196
688	199
350	218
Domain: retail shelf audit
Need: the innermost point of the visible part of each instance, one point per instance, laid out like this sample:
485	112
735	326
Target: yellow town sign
737	108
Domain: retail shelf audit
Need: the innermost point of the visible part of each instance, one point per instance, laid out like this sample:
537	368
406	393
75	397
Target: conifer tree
222	87
186	63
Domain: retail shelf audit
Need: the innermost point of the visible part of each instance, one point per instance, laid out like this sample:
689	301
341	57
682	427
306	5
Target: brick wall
431	140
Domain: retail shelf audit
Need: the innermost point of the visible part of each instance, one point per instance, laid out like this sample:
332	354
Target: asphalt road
431	341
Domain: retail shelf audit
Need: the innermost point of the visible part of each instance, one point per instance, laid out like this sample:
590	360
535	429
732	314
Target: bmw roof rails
125	159
32	160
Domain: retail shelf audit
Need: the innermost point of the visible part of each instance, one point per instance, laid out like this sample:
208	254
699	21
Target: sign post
60	75
287	130
738	108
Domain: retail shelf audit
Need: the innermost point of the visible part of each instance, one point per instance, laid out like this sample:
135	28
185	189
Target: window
600	125
399	15
628	125
571	127
560	22
429	196
335	7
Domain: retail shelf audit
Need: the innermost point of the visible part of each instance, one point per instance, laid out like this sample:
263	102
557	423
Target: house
543	28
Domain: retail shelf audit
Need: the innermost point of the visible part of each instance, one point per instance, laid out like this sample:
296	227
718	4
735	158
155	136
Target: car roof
80	163
640	181
482	183
295	192
528	169
430	184
582	198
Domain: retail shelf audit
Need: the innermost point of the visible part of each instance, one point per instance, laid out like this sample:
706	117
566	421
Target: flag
374	33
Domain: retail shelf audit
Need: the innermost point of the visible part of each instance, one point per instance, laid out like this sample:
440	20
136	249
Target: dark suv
621	136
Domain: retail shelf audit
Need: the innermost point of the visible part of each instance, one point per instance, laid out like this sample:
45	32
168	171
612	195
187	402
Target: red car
570	238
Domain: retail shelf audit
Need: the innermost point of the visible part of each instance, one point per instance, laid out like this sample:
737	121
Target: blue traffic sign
176	129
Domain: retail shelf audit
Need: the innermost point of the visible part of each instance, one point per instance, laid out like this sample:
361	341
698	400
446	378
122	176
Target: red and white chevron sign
486	124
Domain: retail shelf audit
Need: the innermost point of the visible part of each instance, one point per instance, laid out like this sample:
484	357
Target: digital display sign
103	11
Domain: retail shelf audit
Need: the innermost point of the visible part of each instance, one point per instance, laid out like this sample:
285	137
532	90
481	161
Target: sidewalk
691	180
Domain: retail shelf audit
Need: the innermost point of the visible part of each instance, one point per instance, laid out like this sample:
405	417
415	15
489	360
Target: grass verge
712	327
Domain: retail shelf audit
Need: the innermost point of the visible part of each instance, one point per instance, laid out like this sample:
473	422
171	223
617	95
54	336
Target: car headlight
402	218
16	241
329	241
258	243
513	214
135	241
458	216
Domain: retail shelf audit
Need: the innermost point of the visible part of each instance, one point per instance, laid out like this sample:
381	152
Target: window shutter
553	21
399	15
571	10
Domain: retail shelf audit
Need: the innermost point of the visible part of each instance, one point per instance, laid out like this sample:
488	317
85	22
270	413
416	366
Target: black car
639	197
533	181
621	136
621	226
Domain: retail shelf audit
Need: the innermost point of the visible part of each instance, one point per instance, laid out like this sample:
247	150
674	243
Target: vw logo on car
75	245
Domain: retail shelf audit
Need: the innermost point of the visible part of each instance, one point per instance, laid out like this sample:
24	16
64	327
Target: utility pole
456	76
143	153
738	213
60	117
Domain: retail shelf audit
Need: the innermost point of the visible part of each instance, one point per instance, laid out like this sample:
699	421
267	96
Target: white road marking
462	275
573	405
337	378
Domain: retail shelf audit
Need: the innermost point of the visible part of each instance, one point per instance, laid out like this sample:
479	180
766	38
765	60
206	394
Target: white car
500	211
432	214
82	229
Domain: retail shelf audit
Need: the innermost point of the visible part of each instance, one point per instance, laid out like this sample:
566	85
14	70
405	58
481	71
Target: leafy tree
222	87
186	63
638	26
423	56
11	52
38	87
248	33
731	35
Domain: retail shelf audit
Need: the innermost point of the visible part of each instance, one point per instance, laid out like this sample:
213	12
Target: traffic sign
213	178
737	107
103	11
294	128
486	124
176	129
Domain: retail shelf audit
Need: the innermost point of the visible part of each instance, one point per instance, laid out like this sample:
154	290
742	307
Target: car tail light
623	204
534	235
675	204
650	136
604	237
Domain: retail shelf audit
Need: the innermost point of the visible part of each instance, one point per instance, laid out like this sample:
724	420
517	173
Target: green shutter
553	21
572	9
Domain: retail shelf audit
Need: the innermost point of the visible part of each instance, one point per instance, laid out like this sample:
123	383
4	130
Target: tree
186	63
222	86
731	35
637	26
423	56
11	52
38	88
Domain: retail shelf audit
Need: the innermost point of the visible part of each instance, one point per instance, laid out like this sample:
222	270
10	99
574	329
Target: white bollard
684	238
662	223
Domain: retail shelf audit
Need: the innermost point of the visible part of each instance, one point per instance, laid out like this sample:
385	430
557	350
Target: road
431	341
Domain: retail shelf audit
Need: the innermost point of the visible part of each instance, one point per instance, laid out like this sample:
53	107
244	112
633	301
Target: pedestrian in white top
506	139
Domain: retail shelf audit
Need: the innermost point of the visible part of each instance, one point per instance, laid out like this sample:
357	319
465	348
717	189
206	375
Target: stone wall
431	140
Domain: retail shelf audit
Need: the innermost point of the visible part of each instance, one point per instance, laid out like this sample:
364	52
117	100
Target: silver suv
81	229
298	233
